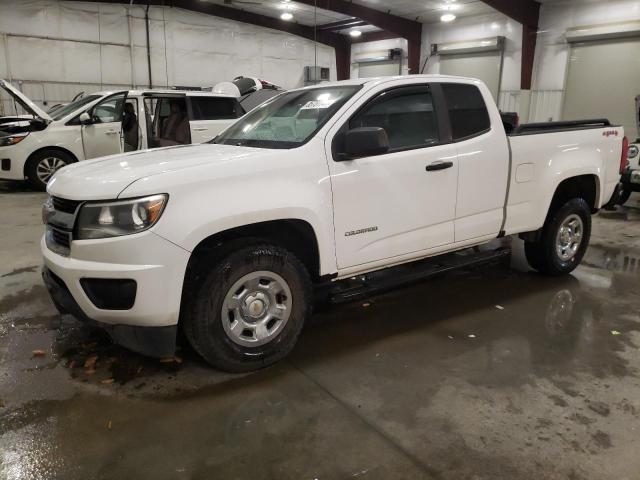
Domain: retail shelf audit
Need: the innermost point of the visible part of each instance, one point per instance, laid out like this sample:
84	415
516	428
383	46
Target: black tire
31	168
542	255
202	315
624	195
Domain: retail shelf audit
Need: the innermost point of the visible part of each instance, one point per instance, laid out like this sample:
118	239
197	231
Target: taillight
624	160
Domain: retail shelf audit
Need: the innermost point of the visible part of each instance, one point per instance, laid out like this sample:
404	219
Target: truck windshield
288	120
73	106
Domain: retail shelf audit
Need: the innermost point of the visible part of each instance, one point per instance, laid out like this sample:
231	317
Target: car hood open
106	177
25	102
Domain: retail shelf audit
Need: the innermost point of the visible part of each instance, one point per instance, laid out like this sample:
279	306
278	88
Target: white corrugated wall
53	50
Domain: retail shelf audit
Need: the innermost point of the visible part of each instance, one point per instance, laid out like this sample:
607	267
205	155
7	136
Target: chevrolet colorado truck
317	186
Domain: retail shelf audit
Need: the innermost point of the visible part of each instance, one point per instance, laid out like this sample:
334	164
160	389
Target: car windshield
288	120
62	112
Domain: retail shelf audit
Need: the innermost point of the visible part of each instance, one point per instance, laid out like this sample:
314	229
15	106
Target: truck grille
64	205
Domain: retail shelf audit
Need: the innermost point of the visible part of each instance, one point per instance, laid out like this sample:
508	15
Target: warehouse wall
473	28
54	49
552	50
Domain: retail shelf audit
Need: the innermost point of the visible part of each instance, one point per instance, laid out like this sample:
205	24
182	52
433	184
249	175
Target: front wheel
247	310
43	164
564	239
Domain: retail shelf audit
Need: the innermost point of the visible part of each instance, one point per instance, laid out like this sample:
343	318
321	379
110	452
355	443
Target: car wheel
564	240
248	308
624	195
43	164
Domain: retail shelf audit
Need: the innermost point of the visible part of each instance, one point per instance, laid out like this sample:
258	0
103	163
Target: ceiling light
286	16
355	33
448	17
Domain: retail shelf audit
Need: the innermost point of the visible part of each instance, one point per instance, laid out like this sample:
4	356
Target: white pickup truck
227	240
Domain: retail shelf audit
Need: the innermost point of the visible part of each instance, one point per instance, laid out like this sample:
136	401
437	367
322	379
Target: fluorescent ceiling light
355	33
448	17
286	16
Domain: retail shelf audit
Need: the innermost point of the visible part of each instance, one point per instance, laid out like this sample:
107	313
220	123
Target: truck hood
24	101
106	177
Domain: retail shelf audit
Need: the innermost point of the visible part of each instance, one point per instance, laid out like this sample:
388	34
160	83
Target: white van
34	144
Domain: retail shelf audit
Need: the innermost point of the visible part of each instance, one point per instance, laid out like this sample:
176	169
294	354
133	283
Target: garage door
378	69
486	66
603	81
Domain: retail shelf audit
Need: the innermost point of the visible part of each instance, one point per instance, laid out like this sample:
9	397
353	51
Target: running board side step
380	281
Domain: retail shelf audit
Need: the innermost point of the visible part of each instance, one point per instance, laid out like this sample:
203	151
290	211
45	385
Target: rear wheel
564	239
248	308
43	164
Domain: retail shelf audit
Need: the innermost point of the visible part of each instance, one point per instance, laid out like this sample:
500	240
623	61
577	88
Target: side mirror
365	142
85	119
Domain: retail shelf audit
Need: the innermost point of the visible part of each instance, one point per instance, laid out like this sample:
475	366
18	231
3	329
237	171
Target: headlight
113	219
632	152
12	139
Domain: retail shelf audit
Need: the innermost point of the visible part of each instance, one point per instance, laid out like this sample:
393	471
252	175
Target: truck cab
34	144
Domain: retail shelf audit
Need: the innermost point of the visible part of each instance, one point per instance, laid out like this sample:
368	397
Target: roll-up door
603	80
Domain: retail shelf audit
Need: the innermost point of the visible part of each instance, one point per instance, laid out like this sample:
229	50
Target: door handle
201	129
111	132
435	166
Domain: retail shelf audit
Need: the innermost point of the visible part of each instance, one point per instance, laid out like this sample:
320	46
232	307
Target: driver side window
406	114
110	110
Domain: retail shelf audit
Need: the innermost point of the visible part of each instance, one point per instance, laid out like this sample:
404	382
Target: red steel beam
526	12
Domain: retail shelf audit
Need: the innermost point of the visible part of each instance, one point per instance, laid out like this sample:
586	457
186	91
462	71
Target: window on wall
406	114
467	111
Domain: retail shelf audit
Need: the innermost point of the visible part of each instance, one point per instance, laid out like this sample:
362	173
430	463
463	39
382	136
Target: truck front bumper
151	341
116	284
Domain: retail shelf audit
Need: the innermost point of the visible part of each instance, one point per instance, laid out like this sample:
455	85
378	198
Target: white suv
36	144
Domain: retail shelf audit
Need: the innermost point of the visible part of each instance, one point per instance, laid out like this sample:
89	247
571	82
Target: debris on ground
615	332
107	381
499	307
366	304
39	353
90	362
471	335
600	408
109	425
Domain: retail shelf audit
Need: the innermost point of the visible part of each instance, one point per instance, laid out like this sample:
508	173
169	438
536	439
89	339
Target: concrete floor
496	373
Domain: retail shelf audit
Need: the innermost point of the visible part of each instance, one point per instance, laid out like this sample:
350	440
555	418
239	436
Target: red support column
529	38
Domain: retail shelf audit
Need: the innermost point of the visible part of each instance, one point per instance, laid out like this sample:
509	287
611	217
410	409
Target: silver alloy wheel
569	237
256	308
47	167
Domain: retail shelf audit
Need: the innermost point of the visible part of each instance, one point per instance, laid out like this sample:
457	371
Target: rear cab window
468	112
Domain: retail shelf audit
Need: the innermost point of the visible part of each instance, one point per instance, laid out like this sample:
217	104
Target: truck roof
371	80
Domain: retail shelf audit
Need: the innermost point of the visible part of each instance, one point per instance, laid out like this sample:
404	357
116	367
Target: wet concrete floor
492	373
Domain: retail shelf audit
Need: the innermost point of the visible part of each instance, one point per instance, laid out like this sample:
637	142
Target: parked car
312	188
631	175
106	123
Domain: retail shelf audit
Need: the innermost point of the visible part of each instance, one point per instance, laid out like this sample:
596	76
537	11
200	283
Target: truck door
401	202
208	116
483	157
103	135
